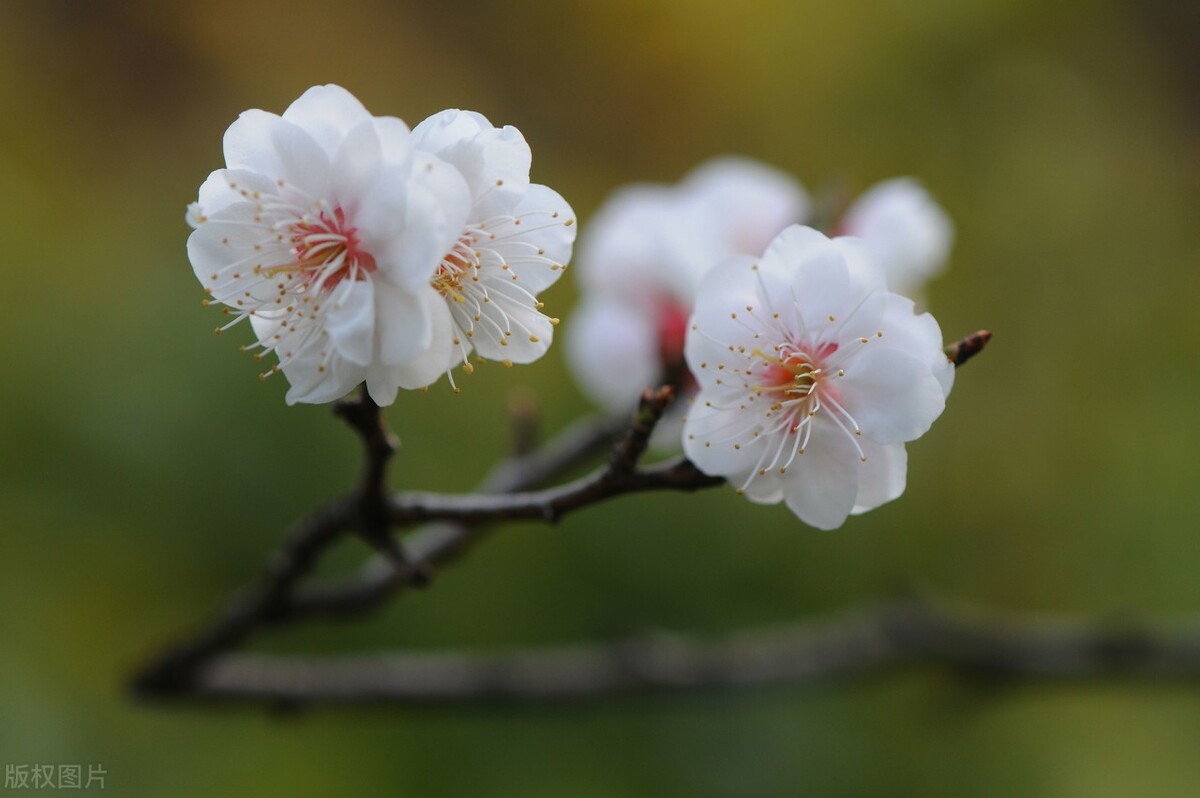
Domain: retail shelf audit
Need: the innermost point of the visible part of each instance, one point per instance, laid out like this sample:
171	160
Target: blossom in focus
515	241
641	258
326	230
908	233
812	377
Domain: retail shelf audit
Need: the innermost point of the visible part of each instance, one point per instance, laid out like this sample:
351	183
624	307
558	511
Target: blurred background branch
888	638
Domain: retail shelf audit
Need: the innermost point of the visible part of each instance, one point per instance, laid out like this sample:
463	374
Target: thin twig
552	504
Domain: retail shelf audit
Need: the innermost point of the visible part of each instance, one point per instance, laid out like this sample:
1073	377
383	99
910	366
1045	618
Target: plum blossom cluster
363	251
647	249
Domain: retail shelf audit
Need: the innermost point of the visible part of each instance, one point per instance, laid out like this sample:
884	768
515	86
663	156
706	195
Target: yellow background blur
146	471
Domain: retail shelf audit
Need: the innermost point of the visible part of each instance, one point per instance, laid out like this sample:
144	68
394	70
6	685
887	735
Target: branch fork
206	666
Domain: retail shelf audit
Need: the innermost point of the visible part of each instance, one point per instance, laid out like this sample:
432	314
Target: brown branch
201	664
437	545
175	669
365	510
884	639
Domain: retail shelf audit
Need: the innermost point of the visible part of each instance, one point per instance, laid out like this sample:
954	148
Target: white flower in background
326	230
514	243
641	258
908	233
812	377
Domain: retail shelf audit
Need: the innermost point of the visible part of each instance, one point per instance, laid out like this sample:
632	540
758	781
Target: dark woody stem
202	667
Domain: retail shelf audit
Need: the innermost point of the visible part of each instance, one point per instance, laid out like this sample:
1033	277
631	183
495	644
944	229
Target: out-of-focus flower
641	258
326	229
514	243
812	377
908	233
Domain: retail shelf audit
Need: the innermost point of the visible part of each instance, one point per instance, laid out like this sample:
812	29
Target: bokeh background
146	472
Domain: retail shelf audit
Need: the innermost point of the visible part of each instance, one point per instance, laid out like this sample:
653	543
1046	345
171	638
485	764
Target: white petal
865	270
495	163
277	149
405	323
721	316
821	284
314	373
908	233
636	245
722	442
383	381
409	221
357	163
217	193
882	477
350	320
511	312
537	246
447	128
225	250
327	113
763	489
893	395
395	140
746	201
821	485
612	351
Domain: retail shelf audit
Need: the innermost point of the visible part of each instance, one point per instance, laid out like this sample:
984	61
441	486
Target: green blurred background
146	471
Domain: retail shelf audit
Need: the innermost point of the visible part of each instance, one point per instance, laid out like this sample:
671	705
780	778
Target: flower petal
906	230
509	326
881	478
822	484
410	219
536	243
350	321
357	162
637	246
224	187
383	380
315	373
327	113
612	351
405	324
723	442
745	202
893	395
494	161
446	128
271	146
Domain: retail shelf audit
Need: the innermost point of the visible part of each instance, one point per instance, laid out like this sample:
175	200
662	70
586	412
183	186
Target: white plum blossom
326	230
514	243
908	233
812	376
641	258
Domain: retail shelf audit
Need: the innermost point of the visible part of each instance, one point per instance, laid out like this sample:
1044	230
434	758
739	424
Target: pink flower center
328	250
797	380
